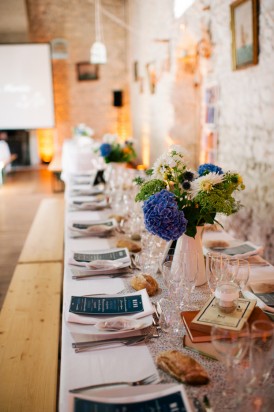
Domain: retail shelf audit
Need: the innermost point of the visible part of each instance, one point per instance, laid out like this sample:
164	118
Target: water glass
189	277
262	349
215	269
241	272
232	346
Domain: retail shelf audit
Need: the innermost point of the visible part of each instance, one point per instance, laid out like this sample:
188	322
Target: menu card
114	254
173	399
120	305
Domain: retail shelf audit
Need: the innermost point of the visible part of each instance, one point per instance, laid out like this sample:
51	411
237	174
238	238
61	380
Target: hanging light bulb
98	52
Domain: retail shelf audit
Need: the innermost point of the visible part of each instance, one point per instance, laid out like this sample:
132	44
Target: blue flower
162	217
209	167
105	149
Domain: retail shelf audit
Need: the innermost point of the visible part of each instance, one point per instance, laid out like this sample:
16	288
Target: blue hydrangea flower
209	167
105	149
162	217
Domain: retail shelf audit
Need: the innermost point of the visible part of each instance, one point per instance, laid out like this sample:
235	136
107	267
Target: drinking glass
231	346
262	349
170	319
241	272
189	277
216	269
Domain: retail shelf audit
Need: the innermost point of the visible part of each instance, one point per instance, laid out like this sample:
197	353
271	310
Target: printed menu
122	305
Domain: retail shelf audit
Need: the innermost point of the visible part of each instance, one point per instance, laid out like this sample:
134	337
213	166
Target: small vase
187	243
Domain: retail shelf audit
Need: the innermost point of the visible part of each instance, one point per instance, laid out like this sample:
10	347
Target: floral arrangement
177	199
113	151
83	130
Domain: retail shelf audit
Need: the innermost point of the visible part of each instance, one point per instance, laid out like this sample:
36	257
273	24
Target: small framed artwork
87	71
244	28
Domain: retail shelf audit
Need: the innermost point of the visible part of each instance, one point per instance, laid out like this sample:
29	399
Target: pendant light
98	52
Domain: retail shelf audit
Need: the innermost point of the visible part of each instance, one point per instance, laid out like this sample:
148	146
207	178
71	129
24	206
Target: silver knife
107	341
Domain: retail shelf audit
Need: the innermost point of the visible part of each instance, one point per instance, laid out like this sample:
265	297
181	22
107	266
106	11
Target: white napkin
105	264
249	295
88	204
96	230
92	320
119	323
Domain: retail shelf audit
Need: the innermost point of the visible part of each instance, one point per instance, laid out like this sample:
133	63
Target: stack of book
198	324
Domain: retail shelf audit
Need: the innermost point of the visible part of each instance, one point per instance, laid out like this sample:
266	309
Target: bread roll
131	246
182	367
147	282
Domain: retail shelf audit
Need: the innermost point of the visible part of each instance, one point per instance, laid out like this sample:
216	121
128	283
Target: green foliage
149	188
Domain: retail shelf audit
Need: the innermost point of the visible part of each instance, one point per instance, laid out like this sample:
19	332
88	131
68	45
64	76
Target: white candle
227	295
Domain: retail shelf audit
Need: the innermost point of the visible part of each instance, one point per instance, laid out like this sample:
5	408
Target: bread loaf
147	282
182	367
131	246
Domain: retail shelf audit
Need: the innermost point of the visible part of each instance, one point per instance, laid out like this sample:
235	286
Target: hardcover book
197	335
210	315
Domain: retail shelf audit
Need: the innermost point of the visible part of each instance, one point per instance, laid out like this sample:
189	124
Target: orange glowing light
45	144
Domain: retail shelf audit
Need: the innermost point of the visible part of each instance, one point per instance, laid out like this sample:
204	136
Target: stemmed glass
170	320
216	269
240	272
262	349
189	277
231	346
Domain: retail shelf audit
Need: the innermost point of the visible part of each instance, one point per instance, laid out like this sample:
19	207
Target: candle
227	295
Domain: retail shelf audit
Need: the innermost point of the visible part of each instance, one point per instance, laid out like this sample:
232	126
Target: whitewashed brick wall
246	118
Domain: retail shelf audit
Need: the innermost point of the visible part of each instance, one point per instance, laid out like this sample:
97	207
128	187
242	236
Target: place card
120	305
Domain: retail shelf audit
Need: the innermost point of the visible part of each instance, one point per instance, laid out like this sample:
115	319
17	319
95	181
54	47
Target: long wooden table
123	363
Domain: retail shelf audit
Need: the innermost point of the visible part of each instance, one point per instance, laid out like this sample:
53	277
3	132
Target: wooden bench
45	239
30	317
29	339
55	167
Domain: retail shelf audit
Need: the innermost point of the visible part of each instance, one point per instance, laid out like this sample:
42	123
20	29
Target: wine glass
262	349
241	272
216	266
189	277
170	319
232	346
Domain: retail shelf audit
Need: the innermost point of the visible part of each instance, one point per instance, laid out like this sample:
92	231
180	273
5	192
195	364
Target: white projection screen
26	92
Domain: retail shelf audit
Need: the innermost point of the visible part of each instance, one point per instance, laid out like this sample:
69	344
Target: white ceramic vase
187	243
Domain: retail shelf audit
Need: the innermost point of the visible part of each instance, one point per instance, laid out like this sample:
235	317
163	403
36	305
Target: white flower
159	167
110	138
205	183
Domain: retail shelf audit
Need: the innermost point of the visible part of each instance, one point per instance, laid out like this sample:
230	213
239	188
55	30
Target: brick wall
76	101
245	123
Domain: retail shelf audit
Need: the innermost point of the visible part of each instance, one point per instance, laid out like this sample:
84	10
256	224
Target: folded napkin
92	320
120	324
249	295
98	230
88	204
105	264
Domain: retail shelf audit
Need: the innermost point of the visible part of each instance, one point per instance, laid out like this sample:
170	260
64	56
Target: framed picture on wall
87	71
244	28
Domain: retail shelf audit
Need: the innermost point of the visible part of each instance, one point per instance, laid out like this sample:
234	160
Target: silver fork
145	381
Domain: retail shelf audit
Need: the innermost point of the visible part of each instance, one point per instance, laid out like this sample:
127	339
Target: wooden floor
20	196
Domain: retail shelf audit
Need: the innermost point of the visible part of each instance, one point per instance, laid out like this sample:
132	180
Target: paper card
267	298
110	223
120	305
164	398
109	254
